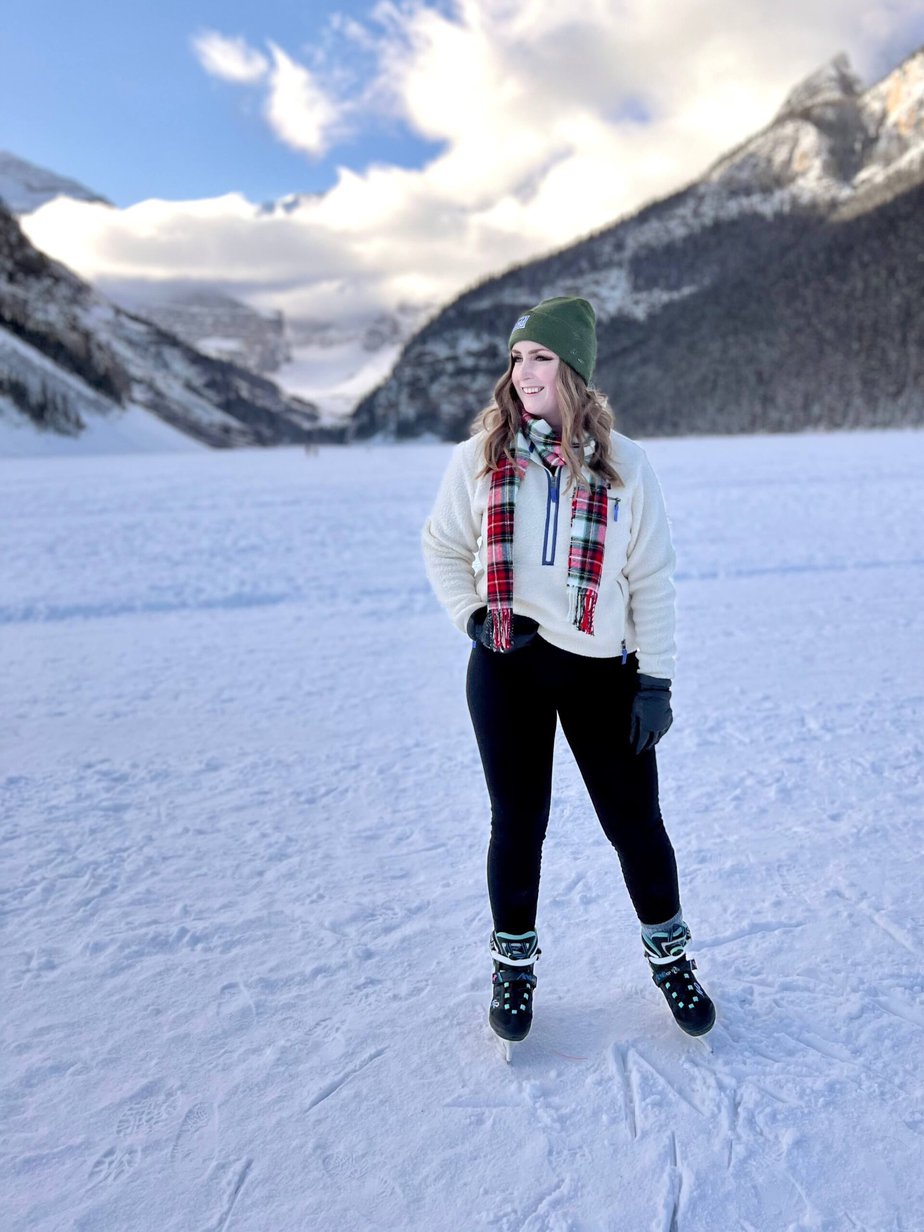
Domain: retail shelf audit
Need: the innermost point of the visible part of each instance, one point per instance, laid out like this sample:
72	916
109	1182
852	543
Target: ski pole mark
235	1192
668	1083
861	1227
540	1212
331	1088
824	1048
733	1126
481	1104
780	1099
892	1005
755	930
879	918
619	1064
890	930
675	1184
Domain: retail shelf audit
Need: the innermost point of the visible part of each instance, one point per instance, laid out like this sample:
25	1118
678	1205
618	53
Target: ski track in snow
243	829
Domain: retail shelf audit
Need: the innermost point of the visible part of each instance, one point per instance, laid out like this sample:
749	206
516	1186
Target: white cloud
297	108
535	107
231	59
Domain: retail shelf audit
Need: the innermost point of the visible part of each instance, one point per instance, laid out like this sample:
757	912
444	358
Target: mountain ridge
56	330
831	155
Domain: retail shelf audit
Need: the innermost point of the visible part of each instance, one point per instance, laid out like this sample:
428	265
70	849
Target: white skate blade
506	1047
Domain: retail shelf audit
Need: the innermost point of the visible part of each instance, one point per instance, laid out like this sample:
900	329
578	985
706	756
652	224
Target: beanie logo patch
522	321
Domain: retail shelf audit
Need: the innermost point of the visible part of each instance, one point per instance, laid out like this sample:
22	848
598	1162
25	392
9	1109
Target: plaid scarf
588	532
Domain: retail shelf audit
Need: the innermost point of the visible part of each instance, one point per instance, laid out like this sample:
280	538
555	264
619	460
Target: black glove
522	632
650	716
474	626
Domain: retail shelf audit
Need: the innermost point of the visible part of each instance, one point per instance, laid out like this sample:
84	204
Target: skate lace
682	974
508	983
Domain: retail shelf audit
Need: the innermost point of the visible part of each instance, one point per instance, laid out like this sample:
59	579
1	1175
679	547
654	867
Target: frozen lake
243	841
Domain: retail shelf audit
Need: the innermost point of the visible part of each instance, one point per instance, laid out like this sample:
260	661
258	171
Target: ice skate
513	981
672	972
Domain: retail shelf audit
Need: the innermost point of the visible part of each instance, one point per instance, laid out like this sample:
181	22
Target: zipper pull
616	510
625	653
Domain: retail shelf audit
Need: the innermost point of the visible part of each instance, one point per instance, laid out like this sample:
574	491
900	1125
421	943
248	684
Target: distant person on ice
549	545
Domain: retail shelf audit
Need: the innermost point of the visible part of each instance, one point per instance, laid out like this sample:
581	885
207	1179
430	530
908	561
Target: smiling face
535	378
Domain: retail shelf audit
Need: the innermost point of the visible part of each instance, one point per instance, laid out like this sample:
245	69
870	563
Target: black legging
513	699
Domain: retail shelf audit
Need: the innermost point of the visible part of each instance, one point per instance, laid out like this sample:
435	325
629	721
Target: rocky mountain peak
832	86
832	134
896	103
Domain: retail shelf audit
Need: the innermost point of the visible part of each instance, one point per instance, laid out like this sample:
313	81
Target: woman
550	545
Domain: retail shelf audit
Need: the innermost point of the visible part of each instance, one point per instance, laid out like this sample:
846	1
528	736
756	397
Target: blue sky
112	94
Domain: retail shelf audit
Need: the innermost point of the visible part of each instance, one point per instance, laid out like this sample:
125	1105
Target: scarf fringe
582	606
502	628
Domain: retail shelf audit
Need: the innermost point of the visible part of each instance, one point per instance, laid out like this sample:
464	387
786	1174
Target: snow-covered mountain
25	186
834	143
213	322
778	291
330	363
334	363
69	357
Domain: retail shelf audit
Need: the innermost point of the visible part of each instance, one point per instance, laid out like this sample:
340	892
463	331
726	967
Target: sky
131	105
434	143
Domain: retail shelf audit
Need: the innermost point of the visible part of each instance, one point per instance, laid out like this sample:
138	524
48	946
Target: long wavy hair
585	414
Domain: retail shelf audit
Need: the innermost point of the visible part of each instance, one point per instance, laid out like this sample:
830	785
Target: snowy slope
55	328
107	427
24	186
244	829
133	430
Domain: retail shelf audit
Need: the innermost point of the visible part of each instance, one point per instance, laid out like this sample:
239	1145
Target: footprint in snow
114	1164
235	1008
194	1147
149	1107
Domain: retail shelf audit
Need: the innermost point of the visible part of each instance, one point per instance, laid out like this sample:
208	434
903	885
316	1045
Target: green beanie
566	325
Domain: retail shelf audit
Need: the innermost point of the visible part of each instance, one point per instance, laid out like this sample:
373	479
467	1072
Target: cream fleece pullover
636	603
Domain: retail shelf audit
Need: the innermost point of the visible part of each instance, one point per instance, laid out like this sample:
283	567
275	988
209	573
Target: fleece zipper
551	515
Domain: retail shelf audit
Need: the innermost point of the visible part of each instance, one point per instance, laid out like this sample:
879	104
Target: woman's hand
479	630
651	715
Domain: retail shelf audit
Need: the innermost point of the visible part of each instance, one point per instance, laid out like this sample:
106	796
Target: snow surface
244	829
126	430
